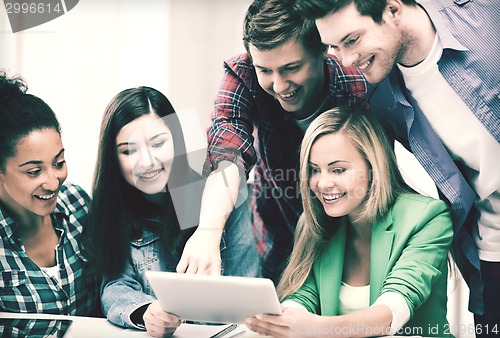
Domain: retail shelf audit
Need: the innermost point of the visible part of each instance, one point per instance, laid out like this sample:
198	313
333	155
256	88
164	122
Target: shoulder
345	79
241	65
456	23
72	200
418	210
419	218
239	61
337	69
418	201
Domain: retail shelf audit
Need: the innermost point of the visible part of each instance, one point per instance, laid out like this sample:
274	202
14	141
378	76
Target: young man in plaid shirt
267	98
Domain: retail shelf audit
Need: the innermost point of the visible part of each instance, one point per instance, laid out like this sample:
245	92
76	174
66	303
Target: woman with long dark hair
146	204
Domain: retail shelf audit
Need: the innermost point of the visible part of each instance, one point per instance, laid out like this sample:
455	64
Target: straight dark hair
117	207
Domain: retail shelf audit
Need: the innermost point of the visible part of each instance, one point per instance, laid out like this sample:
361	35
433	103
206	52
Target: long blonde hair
314	226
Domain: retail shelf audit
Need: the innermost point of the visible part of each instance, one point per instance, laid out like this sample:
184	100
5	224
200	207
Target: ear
394	9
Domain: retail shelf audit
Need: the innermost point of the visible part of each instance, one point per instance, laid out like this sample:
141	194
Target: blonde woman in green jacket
370	255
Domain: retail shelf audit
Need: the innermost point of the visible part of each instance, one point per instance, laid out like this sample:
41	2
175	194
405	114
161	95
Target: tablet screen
17	327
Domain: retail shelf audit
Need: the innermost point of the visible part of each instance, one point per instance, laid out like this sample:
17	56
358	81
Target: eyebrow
150	139
293	63
40	162
329	164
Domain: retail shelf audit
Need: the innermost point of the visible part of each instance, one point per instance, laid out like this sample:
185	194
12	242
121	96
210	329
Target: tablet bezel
218	299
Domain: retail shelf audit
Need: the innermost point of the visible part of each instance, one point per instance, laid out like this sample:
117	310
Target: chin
378	75
151	188
332	213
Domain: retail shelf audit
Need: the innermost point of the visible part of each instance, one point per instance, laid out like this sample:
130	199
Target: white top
353	298
53	271
467	141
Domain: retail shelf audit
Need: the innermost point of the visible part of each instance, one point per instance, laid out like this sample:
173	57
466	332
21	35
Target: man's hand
201	254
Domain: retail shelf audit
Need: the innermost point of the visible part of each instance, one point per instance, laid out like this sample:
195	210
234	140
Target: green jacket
409	251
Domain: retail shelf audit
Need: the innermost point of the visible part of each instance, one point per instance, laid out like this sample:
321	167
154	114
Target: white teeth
149	175
332	197
45	197
289	95
364	65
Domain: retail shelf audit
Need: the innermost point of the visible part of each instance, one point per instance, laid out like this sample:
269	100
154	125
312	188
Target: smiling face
32	178
360	42
338	175
292	75
145	153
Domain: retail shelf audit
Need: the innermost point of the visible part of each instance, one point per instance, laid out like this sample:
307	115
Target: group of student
352	249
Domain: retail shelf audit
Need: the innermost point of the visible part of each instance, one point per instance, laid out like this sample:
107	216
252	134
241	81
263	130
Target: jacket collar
448	41
381	247
329	272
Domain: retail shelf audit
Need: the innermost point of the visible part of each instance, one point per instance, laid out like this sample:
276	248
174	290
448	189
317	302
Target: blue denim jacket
124	294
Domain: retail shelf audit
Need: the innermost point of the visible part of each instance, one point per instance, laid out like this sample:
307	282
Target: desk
85	327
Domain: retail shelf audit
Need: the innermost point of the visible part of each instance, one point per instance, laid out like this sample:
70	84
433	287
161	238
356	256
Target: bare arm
202	251
373	321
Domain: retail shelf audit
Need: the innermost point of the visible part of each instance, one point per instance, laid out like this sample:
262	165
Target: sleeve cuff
127	317
214	158
399	309
292	304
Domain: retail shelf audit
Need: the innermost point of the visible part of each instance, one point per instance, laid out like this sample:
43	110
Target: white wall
79	61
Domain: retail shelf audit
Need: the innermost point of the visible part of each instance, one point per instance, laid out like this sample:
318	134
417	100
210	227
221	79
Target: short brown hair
271	23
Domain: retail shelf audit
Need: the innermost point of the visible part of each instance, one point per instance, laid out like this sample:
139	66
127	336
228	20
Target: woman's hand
158	322
291	323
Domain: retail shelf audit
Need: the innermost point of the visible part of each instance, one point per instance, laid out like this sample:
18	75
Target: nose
347	57
51	182
280	84
325	182
146	160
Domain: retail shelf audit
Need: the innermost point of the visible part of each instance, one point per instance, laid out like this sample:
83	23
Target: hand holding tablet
219	299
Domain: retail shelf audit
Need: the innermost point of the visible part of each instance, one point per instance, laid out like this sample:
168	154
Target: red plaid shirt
250	128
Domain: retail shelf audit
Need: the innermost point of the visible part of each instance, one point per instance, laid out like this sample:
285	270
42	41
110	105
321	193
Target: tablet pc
219	299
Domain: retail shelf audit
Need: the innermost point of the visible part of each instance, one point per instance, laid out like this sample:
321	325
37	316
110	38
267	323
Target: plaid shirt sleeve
347	84
25	287
230	136
14	327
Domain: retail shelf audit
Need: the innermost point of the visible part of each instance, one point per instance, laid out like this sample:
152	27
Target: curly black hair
20	114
